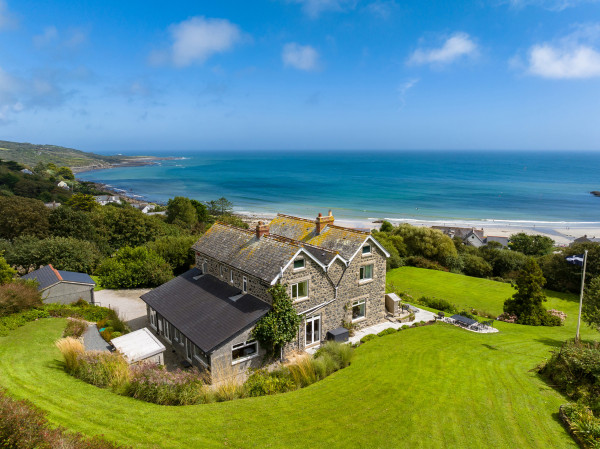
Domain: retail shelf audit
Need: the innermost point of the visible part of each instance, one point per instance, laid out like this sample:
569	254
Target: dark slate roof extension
47	276
200	307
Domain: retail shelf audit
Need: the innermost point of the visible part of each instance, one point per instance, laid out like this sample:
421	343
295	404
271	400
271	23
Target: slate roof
202	309
459	232
345	241
47	276
262	257
494	238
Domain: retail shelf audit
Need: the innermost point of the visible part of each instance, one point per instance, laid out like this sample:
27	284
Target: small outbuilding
63	287
139	346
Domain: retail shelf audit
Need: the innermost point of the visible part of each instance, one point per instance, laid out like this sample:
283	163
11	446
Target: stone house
335	277
103	200
63	287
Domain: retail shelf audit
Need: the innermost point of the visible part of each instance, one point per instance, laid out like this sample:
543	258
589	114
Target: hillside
30	154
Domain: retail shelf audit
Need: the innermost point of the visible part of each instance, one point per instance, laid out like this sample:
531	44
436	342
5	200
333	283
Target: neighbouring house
145	207
26	171
140	346
103	200
52	205
471	236
63	287
63	185
497	238
335	277
585	239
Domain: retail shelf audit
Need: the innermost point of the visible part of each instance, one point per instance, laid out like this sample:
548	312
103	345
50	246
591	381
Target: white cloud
564	63
382	9
404	88
574	56
314	8
302	57
197	39
49	35
455	47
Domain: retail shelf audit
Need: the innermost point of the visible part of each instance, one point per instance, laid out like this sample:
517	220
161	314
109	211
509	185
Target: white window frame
221	270
311	321
299	298
176	335
189	349
231	276
204	267
368	252
245	285
153	320
359	302
361	273
168	326
244	344
303	260
198	356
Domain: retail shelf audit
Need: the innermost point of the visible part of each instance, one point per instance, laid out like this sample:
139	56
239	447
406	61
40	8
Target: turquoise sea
402	185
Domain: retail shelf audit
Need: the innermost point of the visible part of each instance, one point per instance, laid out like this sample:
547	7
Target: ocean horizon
435	186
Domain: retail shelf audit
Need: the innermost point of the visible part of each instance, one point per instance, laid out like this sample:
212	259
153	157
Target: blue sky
301	74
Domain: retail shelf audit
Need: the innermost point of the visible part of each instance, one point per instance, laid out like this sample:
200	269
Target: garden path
93	341
420	315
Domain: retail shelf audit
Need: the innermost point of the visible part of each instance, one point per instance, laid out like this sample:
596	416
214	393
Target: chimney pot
261	229
321	222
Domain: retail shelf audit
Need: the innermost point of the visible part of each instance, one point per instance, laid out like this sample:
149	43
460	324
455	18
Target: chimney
322	221
261	229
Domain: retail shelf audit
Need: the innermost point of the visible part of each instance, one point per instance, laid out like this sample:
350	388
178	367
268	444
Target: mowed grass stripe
436	386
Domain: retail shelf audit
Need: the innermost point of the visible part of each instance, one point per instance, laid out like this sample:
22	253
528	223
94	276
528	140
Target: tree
134	267
180	210
386	226
81	201
527	302
531	245
201	211
127	226
6	271
66	173
22	216
426	242
64	253
475	266
394	244
280	325
177	251
220	207
591	303
565	277
67	222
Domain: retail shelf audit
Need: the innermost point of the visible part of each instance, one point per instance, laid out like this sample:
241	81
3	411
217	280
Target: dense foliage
23	216
7	273
591	303
175	250
280	325
17	296
133	268
64	253
531	245
527	303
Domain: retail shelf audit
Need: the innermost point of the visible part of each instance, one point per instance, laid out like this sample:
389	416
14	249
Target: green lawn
466	291
430	387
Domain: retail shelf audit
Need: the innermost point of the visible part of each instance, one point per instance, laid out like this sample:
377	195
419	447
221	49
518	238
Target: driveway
127	303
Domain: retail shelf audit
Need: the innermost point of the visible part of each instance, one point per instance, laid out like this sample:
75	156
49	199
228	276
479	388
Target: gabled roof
345	241
263	258
200	306
47	276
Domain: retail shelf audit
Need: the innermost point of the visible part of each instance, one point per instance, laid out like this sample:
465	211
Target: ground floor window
244	351
189	349
198	354
176	335
313	330
358	309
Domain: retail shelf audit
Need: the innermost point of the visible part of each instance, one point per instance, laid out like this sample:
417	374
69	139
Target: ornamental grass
71	349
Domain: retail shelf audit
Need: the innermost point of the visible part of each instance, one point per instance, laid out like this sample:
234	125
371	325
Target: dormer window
366	250
298	264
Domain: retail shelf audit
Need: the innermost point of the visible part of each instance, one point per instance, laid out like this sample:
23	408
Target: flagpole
581	294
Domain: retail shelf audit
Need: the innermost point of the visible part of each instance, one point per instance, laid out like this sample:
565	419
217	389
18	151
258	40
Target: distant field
431	387
463	291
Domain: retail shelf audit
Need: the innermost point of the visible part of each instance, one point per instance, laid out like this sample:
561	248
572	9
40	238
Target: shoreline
562	232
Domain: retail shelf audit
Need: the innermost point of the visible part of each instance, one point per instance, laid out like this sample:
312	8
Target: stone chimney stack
322	221
261	229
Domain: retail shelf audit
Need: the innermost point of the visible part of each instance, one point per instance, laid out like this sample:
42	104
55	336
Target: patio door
313	330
